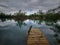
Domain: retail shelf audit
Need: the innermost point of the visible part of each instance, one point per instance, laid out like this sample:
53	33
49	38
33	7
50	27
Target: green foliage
40	15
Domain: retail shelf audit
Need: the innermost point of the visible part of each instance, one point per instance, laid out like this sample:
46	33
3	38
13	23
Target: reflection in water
3	19
20	23
56	29
57	33
13	32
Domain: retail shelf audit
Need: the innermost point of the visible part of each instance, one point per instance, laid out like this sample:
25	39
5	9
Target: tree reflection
21	23
3	19
40	21
58	28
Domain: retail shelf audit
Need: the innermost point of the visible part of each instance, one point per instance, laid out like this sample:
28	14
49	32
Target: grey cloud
30	5
3	6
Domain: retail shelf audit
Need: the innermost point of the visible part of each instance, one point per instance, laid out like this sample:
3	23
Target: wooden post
29	29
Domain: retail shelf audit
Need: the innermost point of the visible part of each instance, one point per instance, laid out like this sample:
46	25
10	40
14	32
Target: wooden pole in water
29	29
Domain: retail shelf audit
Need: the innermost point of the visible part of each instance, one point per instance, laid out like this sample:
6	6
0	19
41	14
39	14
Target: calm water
15	32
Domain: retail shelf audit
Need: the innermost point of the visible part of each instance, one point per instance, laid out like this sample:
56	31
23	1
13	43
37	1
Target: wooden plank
36	37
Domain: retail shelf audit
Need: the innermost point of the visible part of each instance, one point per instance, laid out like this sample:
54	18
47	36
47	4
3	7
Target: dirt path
36	37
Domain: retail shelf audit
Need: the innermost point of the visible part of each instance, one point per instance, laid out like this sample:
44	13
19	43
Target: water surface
14	32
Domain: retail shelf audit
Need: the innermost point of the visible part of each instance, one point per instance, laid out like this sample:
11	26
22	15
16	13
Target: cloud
27	5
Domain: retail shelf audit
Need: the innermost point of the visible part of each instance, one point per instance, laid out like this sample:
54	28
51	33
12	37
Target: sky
29	6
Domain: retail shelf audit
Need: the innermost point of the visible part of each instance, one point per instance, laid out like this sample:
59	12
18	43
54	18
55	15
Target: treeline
3	15
38	15
52	17
47	16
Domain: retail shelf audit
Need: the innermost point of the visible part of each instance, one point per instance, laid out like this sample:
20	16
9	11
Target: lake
15	32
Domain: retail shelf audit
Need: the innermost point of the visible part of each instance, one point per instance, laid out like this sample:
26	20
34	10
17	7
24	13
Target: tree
40	12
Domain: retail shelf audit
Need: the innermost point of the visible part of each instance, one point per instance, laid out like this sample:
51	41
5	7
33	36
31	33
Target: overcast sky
30	6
